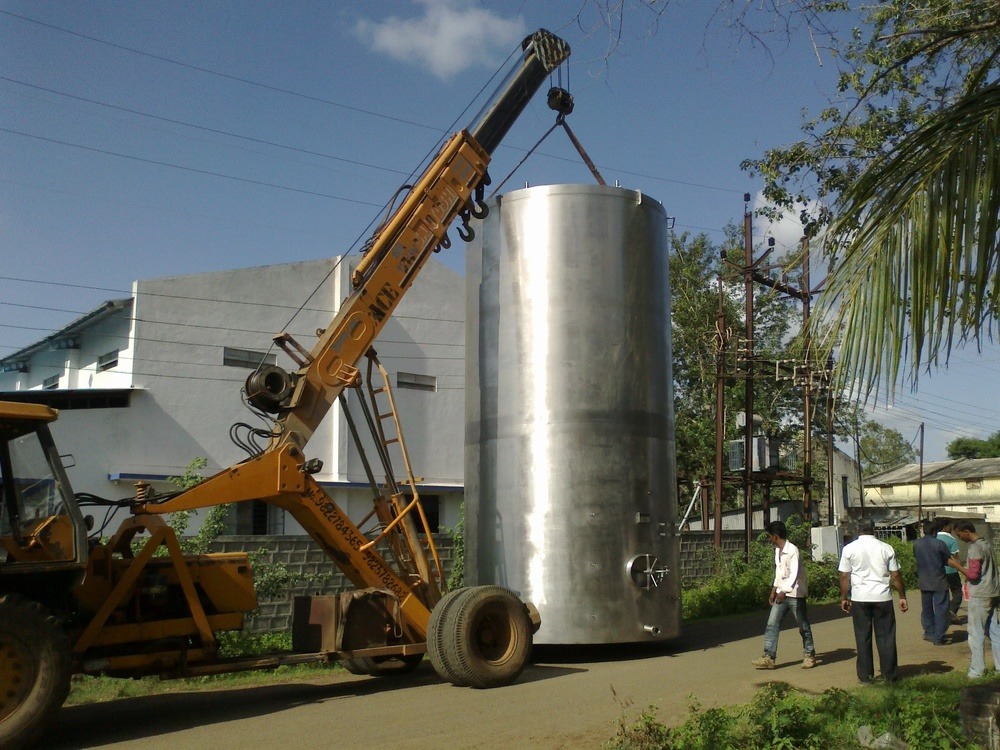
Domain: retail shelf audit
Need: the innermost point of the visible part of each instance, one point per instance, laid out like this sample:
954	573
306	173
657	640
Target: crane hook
478	207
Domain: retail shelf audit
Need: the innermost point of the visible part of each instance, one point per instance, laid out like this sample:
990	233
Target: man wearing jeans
866	568
787	593
932	555
980	570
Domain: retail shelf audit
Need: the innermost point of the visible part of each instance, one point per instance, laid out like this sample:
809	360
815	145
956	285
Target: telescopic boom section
399	250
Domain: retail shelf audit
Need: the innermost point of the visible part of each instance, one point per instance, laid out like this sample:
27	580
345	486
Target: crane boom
398	251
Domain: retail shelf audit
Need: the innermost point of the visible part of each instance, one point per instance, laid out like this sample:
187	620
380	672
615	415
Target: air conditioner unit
765	454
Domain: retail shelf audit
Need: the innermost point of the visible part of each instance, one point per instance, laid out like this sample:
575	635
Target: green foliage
903	168
965	447
236	643
456	577
736	586
180	520
907	562
646	733
744	586
271	580
921	711
882	448
695	270
824	580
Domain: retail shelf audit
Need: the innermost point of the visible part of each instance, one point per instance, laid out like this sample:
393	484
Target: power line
189	298
220	74
189	169
217	131
310	97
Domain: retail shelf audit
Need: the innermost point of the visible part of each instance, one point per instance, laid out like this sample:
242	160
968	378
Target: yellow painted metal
330	527
114	578
45	539
156	630
268	475
14	410
383	275
166	662
402	509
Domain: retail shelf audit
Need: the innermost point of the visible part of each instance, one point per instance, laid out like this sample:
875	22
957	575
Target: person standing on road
944	533
932	555
788	592
866	568
980	571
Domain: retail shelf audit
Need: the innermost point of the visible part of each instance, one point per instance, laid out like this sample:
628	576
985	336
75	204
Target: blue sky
143	139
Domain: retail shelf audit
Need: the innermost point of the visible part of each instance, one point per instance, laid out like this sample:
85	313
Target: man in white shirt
788	592
866	568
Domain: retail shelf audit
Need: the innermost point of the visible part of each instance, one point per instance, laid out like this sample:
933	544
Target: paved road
568	698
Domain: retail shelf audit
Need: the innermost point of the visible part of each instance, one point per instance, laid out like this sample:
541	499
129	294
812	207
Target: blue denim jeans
982	614
797	606
934	614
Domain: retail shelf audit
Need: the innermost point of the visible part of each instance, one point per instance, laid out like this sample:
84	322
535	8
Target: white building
964	487
148	384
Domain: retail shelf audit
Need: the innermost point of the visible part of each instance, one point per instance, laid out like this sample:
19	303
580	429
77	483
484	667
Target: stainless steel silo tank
570	474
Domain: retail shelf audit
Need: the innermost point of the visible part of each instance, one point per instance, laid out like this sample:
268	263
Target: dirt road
568	698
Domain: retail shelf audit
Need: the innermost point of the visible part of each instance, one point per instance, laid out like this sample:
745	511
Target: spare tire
489	641
439	632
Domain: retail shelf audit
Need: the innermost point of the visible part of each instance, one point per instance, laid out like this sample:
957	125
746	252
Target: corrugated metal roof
938	471
86	320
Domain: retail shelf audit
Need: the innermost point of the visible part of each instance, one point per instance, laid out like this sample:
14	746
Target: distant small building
965	487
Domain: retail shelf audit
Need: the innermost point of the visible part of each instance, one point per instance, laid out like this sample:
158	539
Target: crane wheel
490	637
386	666
35	665
439	629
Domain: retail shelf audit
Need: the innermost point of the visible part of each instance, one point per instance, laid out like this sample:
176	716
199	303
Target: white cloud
787	230
449	37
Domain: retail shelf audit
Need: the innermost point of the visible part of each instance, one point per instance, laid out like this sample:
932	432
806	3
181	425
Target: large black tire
387	666
490	637
35	666
439	629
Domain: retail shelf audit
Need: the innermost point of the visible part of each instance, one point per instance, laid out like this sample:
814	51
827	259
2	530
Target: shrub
922	711
742	586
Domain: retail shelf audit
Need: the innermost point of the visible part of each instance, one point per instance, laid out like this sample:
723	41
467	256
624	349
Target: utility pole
829	454
920	483
720	409
807	398
748	263
804	295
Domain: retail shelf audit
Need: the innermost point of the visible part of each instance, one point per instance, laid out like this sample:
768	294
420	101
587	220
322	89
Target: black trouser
955	586
879	617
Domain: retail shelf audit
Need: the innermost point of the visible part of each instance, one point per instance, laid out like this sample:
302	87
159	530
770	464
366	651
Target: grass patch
922	711
90	689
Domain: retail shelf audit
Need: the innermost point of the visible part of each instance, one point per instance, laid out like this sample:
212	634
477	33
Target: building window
844	493
972	509
973	484
416	382
887	490
246	358
107	361
50	384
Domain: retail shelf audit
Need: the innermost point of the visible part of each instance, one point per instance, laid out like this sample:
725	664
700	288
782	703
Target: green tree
695	267
881	448
964	447
906	167
214	521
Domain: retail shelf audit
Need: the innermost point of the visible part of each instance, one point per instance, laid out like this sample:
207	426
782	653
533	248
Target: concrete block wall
698	554
312	571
